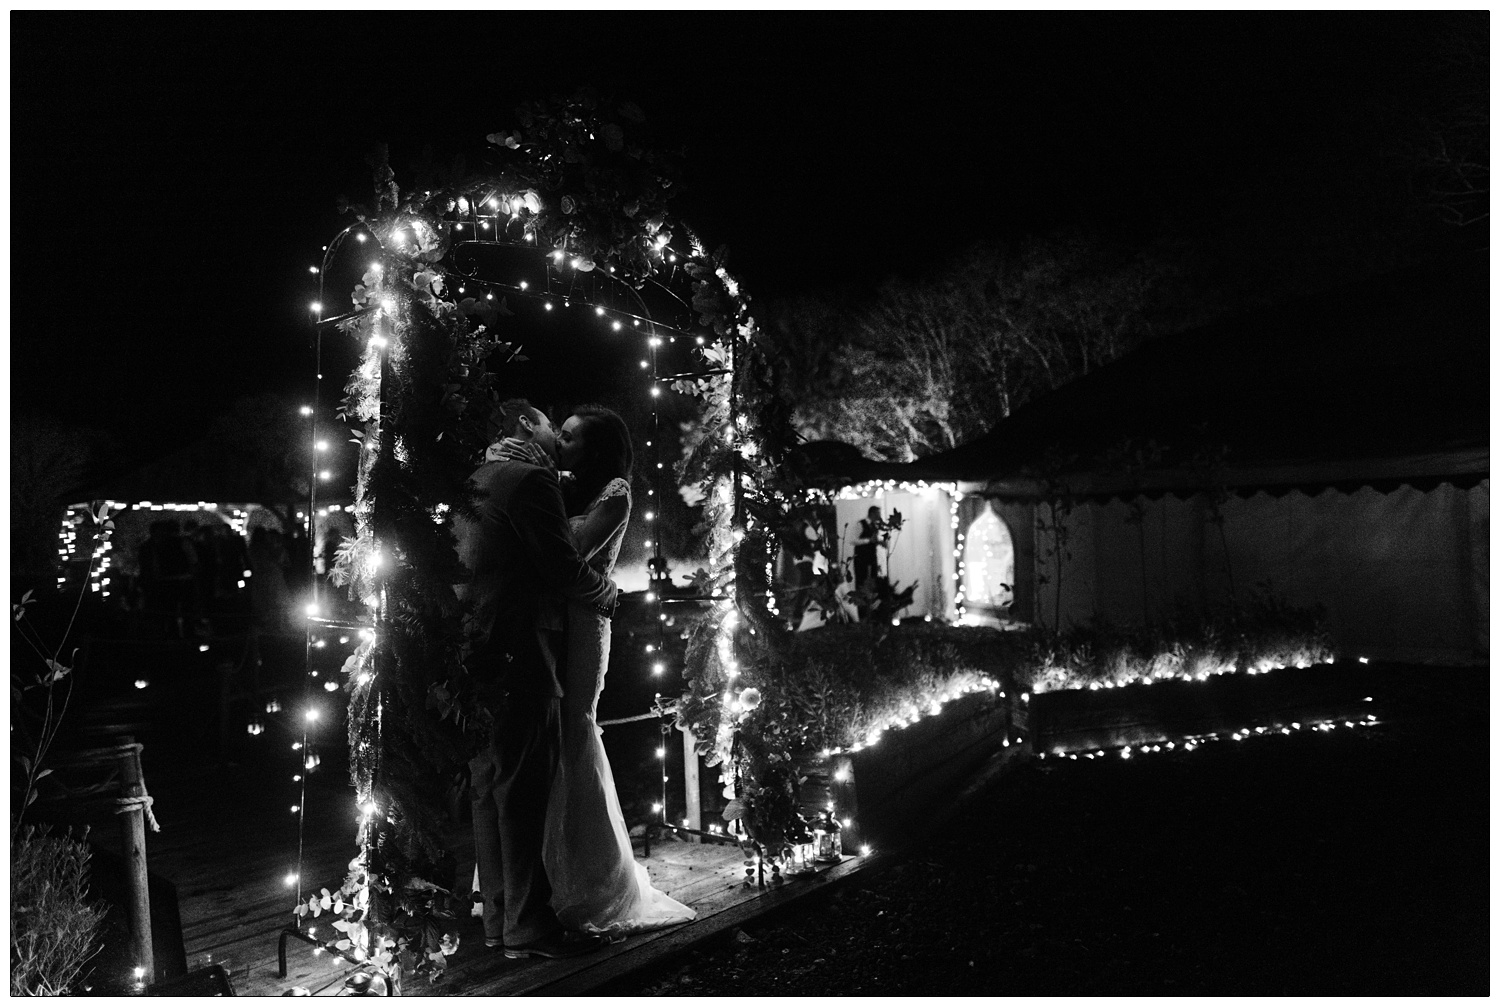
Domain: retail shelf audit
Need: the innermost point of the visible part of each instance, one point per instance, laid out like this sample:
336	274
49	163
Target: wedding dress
596	883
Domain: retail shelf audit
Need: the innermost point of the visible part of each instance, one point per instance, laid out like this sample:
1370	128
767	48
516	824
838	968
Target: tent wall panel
1080	568
1020	518
1402	575
1477	502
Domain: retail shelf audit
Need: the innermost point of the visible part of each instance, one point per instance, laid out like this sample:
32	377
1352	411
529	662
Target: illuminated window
989	563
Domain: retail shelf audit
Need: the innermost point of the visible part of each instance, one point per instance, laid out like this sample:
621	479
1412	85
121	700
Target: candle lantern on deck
369	984
800	858
828	840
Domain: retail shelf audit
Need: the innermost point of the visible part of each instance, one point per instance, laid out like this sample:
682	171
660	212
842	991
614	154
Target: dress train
597	885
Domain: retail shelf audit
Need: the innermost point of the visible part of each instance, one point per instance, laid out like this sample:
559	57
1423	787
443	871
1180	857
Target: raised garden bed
877	720
1078	720
877	787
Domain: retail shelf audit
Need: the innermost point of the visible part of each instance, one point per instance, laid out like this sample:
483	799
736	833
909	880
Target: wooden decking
228	844
706	877
229	840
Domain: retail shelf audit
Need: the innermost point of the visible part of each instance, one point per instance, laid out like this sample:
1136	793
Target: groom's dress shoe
567	944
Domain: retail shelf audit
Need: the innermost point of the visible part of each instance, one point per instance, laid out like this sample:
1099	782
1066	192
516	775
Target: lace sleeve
614	488
597	526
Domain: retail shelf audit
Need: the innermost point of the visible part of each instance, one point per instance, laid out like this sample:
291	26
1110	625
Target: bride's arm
601	523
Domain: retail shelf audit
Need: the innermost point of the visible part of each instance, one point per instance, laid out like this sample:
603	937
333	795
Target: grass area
1351	863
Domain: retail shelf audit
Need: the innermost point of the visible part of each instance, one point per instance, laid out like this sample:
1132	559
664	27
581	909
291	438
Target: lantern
828	840
367	984
800	857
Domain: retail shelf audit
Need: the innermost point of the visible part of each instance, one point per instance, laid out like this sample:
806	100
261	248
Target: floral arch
576	193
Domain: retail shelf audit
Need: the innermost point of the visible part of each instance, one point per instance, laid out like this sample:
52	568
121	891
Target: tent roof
203	471
1379	383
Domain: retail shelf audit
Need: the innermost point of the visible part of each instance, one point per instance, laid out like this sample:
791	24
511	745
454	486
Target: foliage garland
575	181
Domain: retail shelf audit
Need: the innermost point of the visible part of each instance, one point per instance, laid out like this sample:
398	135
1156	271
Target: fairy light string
411	298
313	609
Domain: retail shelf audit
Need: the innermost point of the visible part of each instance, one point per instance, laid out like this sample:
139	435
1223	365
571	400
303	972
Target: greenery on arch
577	182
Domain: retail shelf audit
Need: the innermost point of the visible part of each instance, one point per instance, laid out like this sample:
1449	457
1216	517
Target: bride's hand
512	450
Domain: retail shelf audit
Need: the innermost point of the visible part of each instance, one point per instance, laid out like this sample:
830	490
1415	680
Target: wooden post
133	836
693	798
225	670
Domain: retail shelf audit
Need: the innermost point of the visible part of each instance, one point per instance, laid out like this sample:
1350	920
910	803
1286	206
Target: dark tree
927	364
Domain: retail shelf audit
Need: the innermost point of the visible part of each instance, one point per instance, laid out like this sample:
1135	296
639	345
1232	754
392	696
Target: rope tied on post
649	715
124	805
663	708
98	756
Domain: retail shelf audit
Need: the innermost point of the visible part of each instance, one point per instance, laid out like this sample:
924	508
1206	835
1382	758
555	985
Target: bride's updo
604	453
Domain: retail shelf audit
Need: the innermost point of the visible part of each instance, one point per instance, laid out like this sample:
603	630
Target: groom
525	570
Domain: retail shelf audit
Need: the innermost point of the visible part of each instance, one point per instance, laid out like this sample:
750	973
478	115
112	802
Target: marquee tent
1334	451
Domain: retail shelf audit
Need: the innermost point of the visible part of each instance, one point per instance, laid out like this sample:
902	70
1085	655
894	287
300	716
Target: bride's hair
605	452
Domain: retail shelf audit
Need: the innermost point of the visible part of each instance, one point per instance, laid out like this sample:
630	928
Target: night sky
173	176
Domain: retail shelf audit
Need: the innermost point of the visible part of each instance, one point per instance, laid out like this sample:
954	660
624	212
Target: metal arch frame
653	329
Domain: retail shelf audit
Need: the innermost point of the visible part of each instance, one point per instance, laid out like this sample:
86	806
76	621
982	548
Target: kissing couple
554	862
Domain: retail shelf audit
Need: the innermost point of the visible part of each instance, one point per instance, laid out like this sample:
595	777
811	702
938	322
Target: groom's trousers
510	782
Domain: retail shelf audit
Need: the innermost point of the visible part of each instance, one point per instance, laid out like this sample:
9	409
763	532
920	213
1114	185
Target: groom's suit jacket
524	570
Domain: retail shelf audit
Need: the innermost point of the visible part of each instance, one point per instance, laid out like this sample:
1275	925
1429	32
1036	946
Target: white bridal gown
596	883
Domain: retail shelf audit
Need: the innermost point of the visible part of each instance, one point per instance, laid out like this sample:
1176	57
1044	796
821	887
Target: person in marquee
866	545
524	570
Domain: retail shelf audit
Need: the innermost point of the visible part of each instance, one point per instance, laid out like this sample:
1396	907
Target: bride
596	883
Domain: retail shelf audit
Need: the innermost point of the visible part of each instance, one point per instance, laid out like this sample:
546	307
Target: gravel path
1353	862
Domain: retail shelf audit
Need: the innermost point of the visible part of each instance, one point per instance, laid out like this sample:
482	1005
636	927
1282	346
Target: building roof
1379	383
205	470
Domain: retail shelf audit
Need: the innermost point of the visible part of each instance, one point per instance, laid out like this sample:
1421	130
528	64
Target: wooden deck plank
228	852
705	877
717	886
227	847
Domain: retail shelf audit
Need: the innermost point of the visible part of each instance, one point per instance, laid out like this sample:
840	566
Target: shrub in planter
840	684
835	688
1267	633
53	927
